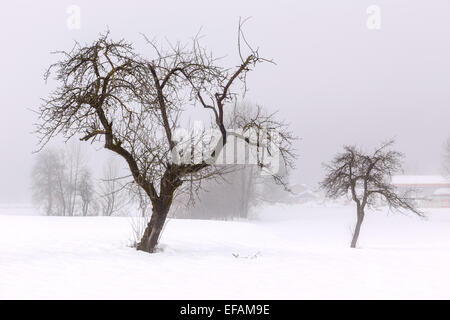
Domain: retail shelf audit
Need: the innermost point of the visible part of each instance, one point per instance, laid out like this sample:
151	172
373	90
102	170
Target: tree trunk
160	209
359	221
153	230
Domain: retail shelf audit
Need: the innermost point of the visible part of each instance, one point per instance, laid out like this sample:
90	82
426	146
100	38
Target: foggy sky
336	81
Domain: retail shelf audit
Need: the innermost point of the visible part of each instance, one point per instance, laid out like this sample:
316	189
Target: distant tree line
63	185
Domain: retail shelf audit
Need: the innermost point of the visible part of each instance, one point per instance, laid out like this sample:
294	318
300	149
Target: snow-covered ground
289	252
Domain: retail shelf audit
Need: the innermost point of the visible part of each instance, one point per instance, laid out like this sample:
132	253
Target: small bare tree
45	182
366	178
60	179
107	93
75	163
62	185
85	190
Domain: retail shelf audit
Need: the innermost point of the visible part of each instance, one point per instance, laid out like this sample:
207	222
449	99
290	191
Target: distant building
428	191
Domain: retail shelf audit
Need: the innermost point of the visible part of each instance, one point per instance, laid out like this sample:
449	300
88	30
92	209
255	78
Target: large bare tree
366	179
133	105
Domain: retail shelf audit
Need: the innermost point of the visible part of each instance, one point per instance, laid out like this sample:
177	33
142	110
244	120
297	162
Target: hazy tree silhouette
366	178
